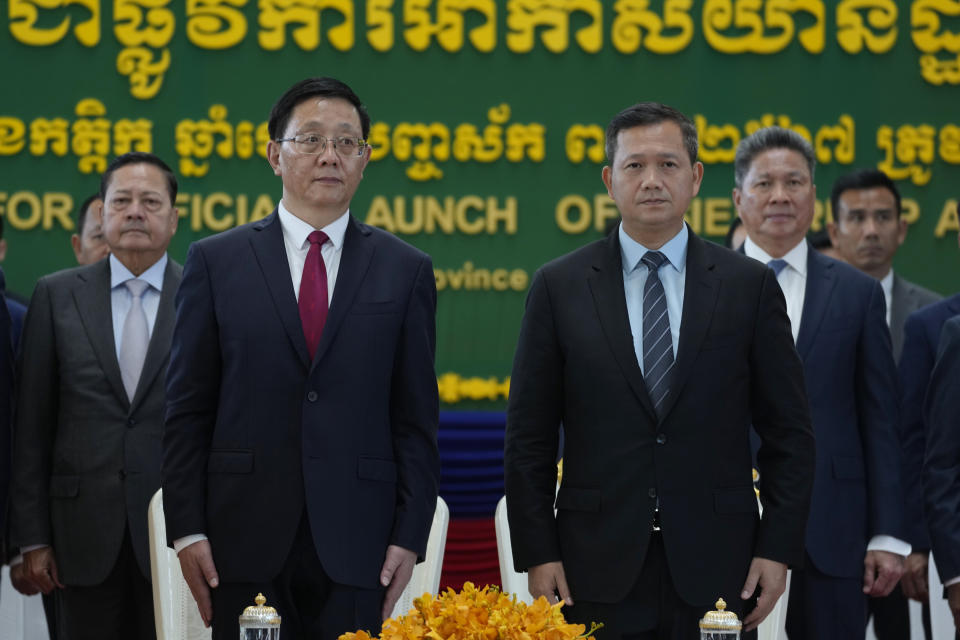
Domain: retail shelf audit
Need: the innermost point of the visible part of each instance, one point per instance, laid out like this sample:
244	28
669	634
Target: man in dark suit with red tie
656	351
300	454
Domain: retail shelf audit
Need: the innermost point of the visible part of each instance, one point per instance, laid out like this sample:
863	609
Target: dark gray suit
907	298
87	460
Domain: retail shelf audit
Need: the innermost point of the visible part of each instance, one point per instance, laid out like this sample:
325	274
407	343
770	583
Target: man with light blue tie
95	345
855	535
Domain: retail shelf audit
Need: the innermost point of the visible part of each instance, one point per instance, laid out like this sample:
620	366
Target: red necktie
313	293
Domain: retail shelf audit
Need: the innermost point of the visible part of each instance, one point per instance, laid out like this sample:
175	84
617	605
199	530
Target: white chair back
177	616
512	581
426	575
21	617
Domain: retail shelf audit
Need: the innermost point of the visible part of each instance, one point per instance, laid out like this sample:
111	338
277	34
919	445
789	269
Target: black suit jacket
257	434
736	364
906	297
844	344
86	458
920	341
941	464
6	405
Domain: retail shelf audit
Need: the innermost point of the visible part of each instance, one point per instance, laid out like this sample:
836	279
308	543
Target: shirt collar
296	230
152	276
675	250
796	258
886	282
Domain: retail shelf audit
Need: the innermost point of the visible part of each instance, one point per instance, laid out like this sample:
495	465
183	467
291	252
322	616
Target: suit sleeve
916	363
35	424
6	405
877	396
532	435
414	408
781	417
941	473
193	390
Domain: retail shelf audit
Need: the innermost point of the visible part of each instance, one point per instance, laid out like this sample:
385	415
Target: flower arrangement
479	614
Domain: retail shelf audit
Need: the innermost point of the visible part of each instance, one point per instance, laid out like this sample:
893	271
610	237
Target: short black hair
728	239
862	179
644	114
82	211
310	88
764	140
139	157
820	240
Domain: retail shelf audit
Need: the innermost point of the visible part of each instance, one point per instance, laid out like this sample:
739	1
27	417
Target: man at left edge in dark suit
6	403
87	433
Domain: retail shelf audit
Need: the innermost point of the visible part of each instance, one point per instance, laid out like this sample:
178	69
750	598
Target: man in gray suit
867	231
90	411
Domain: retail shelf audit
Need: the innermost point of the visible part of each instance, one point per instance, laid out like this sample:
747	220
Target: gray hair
764	140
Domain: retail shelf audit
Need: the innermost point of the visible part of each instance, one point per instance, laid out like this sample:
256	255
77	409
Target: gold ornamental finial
721	619
260	613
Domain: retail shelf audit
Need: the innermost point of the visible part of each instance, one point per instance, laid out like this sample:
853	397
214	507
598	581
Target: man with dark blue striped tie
656	350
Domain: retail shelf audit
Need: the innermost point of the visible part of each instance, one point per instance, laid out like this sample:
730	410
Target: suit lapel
267	243
606	285
354	262
92	298
159	348
699	301
820	282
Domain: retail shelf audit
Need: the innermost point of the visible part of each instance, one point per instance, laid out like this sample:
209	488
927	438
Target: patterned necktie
313	293
134	338
657	341
777	264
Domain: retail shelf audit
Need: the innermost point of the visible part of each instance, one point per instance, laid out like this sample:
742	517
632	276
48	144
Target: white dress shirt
886	283
673	276
296	245
295	232
793	283
121	299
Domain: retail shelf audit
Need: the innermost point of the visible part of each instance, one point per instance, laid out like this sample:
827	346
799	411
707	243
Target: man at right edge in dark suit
855	536
656	351
941	464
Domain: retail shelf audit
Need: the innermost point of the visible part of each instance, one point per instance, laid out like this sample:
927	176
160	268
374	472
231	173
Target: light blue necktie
134	338
778	265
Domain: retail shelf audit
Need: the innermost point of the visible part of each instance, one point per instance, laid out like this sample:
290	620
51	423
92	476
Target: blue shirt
121	299
673	276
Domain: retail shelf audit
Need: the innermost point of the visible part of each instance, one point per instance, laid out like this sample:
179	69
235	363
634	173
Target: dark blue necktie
777	265
657	341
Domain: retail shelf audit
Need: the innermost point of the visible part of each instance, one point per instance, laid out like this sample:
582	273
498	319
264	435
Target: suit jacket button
652	492
312	396
661	438
131	422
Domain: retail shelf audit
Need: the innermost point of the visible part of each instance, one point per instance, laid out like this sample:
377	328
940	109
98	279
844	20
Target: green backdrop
483	113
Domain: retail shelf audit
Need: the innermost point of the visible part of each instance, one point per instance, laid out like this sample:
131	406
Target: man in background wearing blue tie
656	350
86	444
837	315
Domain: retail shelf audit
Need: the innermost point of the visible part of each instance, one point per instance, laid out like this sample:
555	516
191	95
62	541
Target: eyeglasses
315	144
